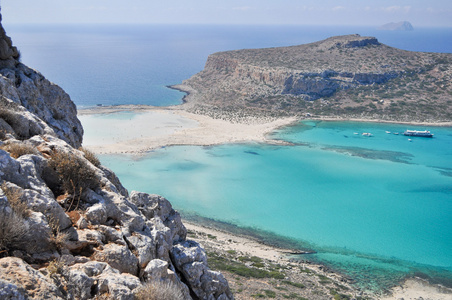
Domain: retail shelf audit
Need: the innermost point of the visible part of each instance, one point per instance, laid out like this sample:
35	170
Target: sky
421	13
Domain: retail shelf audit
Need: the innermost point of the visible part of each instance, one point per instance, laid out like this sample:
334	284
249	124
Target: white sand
116	130
416	289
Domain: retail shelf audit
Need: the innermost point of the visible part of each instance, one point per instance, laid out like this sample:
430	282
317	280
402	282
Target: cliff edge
68	228
347	76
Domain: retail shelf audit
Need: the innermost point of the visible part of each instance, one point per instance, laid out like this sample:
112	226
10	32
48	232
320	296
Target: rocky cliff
350	76
68	228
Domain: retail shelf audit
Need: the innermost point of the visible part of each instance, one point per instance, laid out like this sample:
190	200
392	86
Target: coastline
166	126
317	280
159	127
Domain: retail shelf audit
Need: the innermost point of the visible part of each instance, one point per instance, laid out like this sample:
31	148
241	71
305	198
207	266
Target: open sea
375	208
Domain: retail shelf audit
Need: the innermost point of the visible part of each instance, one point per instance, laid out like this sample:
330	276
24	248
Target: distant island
348	77
401	26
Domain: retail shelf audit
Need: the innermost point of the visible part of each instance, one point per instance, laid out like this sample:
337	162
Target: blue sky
422	13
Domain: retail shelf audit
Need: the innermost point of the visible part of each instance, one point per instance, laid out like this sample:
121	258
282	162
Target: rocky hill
347	76
68	228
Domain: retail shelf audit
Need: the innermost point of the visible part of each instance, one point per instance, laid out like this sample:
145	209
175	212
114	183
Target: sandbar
138	129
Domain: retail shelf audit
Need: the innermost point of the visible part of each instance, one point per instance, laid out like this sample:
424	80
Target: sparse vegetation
58	238
91	157
159	290
13	229
17	149
218	262
15	200
75	176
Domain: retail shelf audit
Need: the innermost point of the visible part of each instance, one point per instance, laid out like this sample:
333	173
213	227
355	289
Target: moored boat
422	133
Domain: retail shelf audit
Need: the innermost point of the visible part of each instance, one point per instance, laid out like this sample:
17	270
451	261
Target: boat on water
367	134
422	133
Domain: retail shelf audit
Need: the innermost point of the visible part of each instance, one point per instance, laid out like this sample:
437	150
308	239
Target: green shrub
159	290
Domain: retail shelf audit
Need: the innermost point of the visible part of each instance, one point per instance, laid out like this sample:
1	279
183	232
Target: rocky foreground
344	76
68	228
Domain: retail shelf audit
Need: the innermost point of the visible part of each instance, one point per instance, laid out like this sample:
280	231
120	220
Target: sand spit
155	127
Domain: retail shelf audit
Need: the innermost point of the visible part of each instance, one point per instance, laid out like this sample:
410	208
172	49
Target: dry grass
159	290
3	134
16	201
56	266
90	156
74	174
17	149
59	238
13	228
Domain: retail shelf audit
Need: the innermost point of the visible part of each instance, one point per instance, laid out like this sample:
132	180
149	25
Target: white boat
367	134
422	133
388	131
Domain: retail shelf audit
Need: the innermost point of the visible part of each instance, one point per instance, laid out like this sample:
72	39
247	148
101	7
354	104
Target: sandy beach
138	129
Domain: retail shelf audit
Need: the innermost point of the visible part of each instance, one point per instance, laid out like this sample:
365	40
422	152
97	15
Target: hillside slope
347	76
68	228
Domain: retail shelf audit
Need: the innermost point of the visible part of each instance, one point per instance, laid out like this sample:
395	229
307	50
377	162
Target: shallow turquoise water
378	203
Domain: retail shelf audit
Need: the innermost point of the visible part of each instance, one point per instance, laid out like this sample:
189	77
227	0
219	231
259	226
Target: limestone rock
152	206
104	244
27	280
190	259
156	270
9	291
119	257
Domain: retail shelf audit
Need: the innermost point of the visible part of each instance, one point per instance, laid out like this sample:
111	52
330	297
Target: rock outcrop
351	76
68	228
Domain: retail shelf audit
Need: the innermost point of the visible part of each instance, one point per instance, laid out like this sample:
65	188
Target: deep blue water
112	64
376	208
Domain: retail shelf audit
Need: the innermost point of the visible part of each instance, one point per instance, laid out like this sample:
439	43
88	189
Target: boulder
118	257
21	279
190	259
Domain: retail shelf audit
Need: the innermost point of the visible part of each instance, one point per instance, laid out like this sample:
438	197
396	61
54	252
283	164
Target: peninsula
347	77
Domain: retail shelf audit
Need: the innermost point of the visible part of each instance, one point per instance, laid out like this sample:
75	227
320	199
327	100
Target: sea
378	209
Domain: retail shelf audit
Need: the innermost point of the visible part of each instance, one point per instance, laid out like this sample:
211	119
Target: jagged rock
9	291
119	257
27	280
152	206
190	259
114	181
143	247
109	280
96	214
79	284
156	270
106	241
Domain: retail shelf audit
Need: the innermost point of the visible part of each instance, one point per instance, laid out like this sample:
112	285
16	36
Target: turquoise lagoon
376	208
